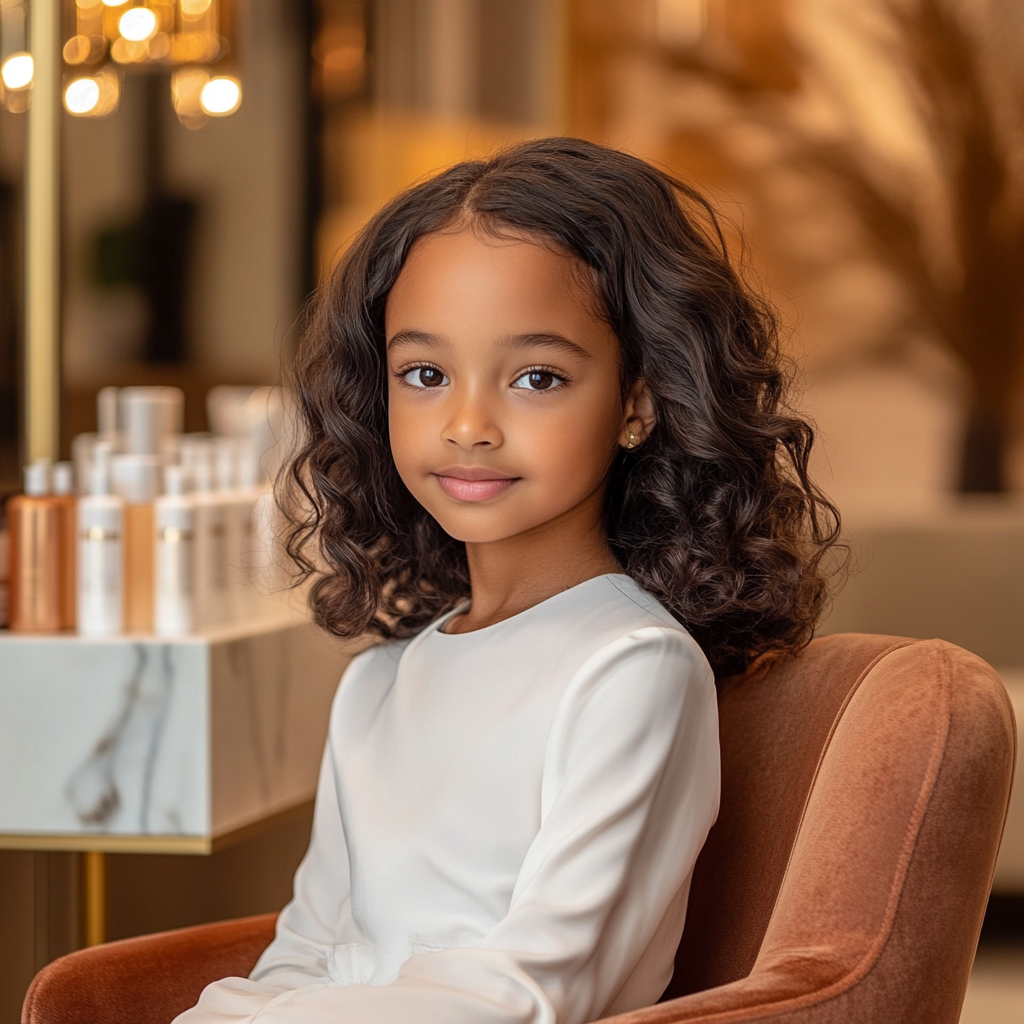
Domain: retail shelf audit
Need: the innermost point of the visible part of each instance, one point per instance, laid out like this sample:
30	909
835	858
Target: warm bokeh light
110	92
77	49
138	24
107	36
186	87
159	46
82	96
221	96
194	46
17	70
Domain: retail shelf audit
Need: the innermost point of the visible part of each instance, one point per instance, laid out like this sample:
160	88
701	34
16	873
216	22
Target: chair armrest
147	980
807	988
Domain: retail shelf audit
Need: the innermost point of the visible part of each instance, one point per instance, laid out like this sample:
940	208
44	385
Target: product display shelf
150	745
144	743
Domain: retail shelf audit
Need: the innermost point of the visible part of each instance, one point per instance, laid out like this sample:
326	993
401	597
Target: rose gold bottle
137	479
33	519
67	509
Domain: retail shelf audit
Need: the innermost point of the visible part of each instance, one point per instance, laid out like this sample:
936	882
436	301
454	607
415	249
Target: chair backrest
865	785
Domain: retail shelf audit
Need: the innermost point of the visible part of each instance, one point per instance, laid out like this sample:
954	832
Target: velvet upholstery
865	786
148	980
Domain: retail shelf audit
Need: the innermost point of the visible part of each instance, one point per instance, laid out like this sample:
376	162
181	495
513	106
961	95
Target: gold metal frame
94	849
42	236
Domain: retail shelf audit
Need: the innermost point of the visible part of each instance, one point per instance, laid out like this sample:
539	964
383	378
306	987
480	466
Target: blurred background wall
870	153
867	158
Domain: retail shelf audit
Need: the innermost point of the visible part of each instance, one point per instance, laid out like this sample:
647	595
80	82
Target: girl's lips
474	490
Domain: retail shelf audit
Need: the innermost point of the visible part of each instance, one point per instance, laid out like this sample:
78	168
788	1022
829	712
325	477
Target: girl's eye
424	377
538	380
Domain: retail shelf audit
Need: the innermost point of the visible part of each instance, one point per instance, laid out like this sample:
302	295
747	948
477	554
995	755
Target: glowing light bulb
221	96
17	70
137	24
114	3
193	8
82	95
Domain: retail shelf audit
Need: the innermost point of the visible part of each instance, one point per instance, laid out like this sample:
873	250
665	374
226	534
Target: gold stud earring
631	443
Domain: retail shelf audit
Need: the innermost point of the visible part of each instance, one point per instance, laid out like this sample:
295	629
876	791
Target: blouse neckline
437	627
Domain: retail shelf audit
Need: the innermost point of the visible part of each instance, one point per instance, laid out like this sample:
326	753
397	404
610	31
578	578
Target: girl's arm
631	782
307	926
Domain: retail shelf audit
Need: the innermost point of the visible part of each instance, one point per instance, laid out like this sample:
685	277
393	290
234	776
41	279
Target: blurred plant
961	263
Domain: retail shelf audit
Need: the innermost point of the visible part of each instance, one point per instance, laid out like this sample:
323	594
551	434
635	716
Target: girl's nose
471	424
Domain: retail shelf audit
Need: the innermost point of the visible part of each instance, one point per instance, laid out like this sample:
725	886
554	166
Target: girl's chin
477	529
473	525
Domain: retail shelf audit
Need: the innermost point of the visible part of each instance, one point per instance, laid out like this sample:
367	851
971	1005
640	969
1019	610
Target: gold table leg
94	874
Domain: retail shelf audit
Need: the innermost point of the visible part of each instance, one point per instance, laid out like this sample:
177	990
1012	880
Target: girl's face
504	402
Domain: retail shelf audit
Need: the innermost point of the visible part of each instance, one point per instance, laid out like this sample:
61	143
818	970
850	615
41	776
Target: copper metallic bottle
34	522
67	509
137	479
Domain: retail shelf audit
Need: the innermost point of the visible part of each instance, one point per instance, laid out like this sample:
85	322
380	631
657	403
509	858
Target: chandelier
106	39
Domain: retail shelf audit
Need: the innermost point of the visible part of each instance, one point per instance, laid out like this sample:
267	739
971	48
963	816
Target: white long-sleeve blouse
506	825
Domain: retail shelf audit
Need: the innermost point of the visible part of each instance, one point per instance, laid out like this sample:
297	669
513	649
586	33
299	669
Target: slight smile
473	483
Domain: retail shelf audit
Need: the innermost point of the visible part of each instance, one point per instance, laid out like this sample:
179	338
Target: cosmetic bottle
149	415
34	524
67	511
247	477
108	424
237	501
137	480
211	557
100	559
175	515
266	573
82	447
107	429
267	439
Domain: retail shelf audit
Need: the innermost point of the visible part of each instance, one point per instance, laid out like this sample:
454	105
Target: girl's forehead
474	241
468	271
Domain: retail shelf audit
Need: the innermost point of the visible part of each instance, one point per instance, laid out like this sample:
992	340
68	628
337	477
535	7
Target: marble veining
94	788
140	736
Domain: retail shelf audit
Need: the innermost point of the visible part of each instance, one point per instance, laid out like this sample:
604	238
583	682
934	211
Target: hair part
714	514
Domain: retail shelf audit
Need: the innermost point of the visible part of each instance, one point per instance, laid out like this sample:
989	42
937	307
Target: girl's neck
511	575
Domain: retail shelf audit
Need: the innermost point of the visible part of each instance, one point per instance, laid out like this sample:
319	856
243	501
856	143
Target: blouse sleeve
630	790
307	926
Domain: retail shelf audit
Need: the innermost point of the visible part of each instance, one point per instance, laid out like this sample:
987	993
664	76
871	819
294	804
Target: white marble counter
139	743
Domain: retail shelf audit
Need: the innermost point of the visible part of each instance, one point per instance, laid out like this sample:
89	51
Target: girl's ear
638	416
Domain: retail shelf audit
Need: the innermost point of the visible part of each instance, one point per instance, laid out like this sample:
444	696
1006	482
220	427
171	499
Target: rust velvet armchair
865	786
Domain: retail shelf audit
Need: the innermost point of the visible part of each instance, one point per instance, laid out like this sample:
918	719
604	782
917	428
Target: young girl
545	461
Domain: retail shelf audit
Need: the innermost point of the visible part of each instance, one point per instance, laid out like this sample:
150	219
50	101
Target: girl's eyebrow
510	341
417	338
544	340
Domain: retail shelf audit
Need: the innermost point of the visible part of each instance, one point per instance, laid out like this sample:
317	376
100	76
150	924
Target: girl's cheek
405	440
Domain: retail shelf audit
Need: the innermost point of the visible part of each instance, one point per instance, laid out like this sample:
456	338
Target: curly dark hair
715	514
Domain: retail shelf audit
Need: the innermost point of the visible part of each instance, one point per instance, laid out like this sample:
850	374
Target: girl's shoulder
380	658
628	625
614	609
